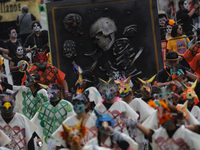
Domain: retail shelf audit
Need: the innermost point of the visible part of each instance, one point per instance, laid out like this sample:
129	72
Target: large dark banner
112	38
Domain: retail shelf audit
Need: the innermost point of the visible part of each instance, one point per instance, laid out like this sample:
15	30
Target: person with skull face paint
29	97
12	122
18	65
107	136
38	40
12	43
184	16
51	114
81	106
113	105
168	26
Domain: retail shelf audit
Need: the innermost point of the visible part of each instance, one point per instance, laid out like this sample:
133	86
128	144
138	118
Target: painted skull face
103	33
19	50
13	33
169	29
36	27
108	89
69	49
186	5
52	92
162	21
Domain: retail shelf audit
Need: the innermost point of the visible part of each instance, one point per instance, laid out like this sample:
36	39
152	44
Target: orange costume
50	75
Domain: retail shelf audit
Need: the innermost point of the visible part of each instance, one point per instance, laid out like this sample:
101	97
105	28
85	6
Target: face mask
108	88
20	50
36	27
52	93
186	5
162	21
13	33
169	29
7	108
41	65
79	107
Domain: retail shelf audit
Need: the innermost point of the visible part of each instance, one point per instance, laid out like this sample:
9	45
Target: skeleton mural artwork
110	38
73	23
69	49
102	33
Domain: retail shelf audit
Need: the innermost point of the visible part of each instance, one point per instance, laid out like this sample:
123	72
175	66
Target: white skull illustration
103	33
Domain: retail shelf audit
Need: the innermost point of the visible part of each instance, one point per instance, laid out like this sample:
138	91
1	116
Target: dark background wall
142	13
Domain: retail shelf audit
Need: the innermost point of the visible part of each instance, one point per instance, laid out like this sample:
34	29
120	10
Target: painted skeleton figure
69	49
122	52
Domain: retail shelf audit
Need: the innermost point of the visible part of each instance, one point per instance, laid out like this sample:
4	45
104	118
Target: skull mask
19	50
103	33
186	5
69	50
162	21
169	29
36	27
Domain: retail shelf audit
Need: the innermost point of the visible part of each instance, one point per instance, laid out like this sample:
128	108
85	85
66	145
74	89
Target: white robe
4	139
28	104
119	111
49	118
94	95
19	130
141	108
107	144
196	112
182	139
152	121
144	111
73	121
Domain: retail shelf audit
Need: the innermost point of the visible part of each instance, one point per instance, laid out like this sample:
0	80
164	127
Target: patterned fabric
189	55
32	104
19	130
50	75
50	117
27	104
182	139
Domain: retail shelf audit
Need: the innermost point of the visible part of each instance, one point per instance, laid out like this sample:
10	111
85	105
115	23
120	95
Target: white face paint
13	33
36	27
162	21
169	29
19	50
186	5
